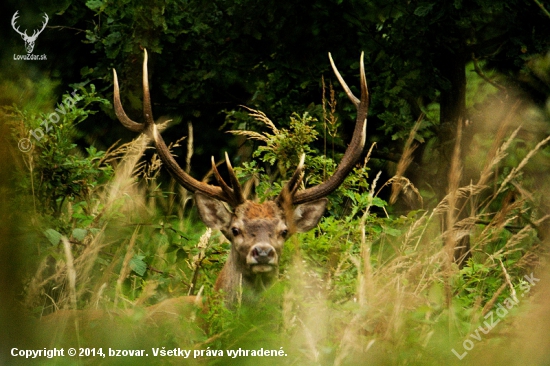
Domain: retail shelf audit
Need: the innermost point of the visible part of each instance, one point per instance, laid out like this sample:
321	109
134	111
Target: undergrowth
105	233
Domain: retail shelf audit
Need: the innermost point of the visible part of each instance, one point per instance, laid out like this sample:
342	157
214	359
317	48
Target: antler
13	20
24	34
225	193
352	154
36	33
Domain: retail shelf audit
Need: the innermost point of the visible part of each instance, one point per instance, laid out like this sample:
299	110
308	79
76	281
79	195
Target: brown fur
253	210
257	232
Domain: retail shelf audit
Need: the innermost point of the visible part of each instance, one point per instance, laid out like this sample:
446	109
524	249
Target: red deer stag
257	231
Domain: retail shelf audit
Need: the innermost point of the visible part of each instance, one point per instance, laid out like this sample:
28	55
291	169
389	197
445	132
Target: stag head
29	40
257	231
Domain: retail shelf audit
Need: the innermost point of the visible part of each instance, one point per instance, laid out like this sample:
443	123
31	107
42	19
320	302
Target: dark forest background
207	58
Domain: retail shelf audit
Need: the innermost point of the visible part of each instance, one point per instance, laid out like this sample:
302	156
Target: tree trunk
452	116
452	67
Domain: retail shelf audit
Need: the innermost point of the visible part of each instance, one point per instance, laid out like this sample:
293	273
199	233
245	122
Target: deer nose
263	254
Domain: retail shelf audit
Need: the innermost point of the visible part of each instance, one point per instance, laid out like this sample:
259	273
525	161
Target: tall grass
360	289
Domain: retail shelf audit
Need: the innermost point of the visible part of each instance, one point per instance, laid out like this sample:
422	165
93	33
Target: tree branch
542	8
477	47
483	76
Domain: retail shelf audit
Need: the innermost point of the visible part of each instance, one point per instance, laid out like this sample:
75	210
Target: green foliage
57	170
286	146
282	151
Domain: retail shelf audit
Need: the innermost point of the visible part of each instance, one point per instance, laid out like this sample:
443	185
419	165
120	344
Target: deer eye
235	231
284	233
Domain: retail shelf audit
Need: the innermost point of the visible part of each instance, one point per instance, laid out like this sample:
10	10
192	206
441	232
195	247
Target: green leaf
209	75
86	71
95	230
138	265
94	4
423	10
376	229
79	234
53	236
391	231
378	202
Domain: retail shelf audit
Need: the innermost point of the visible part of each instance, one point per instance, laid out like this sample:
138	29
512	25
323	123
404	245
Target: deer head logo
29	40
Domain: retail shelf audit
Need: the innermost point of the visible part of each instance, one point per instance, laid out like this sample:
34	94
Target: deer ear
307	215
213	212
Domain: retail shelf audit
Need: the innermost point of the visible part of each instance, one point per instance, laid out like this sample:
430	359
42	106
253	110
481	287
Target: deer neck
236	279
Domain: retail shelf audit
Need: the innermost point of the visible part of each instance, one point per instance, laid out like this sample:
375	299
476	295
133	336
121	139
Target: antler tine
175	170
235	193
46	18
187	181
119	111
286	197
225	188
16	28
36	32
237	190
147	110
296	179
355	148
350	95
364	103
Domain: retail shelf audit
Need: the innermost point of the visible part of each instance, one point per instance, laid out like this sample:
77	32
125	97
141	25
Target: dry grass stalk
35	286
445	204
196	262
497	151
190	142
123	183
364	280
450	240
311	342
455	175
330	120
71	277
404	162
494	298
508	281
515	171
366	291
87	259
71	272
349	340
149	290
324	104
402	185
260	117
125	270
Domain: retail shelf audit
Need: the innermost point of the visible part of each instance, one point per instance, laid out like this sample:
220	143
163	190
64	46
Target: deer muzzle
262	258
